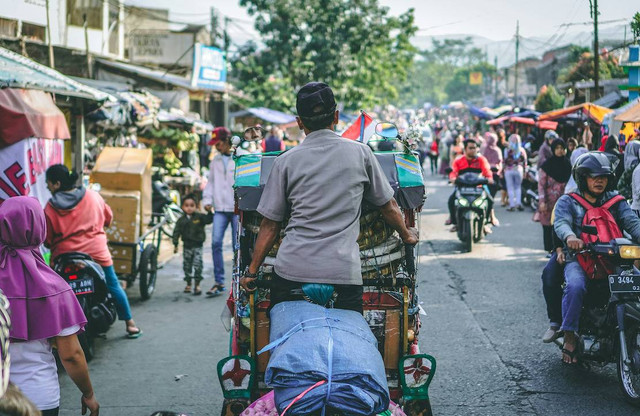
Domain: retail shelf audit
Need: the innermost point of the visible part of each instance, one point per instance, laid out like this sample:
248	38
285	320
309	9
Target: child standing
190	228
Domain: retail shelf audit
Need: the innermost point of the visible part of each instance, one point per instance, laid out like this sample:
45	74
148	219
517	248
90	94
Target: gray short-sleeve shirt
322	183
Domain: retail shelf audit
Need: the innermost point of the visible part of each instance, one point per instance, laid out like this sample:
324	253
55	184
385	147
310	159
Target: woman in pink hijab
44	311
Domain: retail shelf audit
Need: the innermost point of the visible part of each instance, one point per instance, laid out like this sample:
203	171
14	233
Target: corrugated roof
155	75
16	71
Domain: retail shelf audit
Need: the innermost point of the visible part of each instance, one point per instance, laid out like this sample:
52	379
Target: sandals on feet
215	290
135	333
197	291
187	289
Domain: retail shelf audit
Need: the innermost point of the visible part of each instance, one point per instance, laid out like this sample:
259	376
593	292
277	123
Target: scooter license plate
624	284
81	286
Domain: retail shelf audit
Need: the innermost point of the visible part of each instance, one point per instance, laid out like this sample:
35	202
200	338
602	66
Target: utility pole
51	60
214	26
596	47
495	79
515	88
226	39
85	26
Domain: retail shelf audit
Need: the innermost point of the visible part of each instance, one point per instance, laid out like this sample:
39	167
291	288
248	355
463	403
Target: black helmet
592	164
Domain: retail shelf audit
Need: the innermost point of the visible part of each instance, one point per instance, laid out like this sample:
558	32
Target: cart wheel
148	269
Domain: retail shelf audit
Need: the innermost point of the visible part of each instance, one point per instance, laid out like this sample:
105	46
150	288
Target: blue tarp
305	336
266	114
480	113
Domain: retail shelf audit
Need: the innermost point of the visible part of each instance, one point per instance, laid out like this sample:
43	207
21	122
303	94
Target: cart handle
153	229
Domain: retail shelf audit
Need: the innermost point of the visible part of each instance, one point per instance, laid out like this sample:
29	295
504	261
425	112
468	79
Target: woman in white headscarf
515	163
572	186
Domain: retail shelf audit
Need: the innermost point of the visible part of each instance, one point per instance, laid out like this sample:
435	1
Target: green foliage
354	46
635	26
584	68
459	88
548	99
442	73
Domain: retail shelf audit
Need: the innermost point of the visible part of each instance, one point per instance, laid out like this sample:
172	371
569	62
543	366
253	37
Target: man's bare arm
393	216
269	232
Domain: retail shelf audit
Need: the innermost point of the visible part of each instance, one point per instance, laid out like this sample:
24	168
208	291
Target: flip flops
215	290
134	334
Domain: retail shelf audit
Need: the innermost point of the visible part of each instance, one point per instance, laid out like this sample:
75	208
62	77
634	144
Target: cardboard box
123	266
126	169
125	205
121	252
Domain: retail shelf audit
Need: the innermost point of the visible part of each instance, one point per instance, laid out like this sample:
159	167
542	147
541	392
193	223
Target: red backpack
598	267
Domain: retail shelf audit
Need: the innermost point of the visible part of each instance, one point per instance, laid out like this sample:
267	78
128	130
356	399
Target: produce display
169	144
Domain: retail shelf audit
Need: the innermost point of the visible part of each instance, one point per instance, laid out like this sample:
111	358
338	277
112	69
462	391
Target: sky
493	19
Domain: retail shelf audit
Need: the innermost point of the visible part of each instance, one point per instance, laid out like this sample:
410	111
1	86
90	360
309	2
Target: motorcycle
610	320
530	188
472	207
88	282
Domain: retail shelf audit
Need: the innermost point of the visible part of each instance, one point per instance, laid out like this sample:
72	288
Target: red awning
29	113
498	120
547	125
523	120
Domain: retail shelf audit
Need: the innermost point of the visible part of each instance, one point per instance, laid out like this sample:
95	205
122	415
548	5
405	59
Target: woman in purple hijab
45	312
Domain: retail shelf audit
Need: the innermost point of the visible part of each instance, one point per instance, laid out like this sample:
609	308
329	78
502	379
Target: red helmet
219	133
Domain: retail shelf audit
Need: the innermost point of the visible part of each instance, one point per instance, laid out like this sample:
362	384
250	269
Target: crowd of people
574	175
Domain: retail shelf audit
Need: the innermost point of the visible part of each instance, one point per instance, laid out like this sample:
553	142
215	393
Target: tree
354	46
584	69
459	88
431	79
548	99
635	27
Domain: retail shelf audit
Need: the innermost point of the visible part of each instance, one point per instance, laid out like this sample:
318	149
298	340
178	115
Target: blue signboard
209	68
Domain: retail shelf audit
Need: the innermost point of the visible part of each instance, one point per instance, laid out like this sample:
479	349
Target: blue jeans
552	278
221	221
120	297
576	287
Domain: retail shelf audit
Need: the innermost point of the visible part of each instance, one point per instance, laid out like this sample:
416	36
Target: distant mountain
610	36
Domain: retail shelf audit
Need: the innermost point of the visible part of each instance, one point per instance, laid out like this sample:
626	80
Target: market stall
630	119
32	131
76	99
571	119
180	151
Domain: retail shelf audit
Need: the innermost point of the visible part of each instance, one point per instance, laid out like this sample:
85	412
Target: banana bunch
171	163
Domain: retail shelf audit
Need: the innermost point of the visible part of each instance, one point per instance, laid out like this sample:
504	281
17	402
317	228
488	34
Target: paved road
485	318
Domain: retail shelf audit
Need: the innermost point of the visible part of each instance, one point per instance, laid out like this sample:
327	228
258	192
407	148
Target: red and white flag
362	129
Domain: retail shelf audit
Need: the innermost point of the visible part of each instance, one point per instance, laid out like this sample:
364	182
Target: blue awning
266	114
16	71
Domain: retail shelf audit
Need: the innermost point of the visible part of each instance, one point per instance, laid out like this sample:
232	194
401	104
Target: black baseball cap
315	99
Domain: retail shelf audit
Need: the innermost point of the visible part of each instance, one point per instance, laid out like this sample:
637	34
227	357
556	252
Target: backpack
598	267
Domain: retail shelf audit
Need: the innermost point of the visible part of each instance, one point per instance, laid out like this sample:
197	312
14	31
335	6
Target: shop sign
209	68
162	48
475	78
23	166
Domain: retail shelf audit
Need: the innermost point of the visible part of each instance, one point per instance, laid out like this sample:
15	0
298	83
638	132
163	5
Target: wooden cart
142	257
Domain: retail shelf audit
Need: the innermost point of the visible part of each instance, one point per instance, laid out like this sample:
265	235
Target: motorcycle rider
594	177
321	185
470	160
